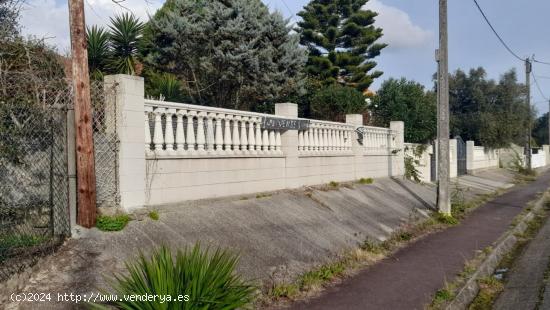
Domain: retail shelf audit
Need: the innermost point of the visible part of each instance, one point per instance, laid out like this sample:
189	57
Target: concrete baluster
148	141
158	138
236	140
210	133
251	136
219	134
227	142
244	140
180	135
191	133
169	132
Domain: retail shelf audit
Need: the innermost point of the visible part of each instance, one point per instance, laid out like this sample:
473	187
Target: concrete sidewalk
409	278
278	236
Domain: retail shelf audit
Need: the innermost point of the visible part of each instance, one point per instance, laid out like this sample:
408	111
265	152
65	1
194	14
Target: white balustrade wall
326	138
176	129
173	152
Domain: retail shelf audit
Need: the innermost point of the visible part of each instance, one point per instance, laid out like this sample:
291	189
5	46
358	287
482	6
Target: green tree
335	101
540	130
9	17
490	113
233	54
341	40
407	101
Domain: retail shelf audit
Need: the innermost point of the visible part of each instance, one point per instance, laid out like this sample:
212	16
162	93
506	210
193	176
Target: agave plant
125	34
98	50
207	279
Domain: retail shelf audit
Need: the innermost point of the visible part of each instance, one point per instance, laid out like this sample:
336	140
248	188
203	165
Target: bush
335	101
208	280
366	181
112	223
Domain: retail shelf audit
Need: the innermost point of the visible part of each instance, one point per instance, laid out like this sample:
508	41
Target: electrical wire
496	33
538	86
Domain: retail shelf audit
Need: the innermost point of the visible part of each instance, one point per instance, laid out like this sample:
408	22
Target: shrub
154	215
366	181
335	101
208	280
112	223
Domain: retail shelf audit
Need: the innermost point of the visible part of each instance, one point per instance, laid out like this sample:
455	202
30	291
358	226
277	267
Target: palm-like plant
208	280
126	32
98	50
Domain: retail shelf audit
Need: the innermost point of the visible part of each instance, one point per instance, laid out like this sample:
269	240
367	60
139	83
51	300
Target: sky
410	28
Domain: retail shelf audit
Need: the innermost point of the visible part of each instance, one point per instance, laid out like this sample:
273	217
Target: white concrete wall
538	160
423	160
479	157
156	169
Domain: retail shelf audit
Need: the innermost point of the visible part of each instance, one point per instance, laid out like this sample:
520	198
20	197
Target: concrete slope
278	236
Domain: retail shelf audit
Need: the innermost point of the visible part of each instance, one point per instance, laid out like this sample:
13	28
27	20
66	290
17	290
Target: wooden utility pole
444	180
528	101
85	164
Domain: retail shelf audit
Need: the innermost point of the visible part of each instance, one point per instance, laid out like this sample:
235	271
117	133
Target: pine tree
341	39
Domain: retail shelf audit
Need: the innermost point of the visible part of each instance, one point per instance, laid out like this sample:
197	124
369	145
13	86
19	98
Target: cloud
399	30
49	19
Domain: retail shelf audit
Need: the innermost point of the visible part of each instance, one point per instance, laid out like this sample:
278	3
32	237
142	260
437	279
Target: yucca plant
208	279
125	34
98	51
165	86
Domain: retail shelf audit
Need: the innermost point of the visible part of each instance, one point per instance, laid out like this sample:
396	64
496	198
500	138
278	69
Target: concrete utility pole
528	67
85	164
443	196
548	122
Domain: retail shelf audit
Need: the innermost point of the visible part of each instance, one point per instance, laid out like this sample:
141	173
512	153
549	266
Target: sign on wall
276	123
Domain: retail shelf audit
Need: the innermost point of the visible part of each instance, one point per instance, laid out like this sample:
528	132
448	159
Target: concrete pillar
398	159
357	121
289	144
470	156
453	171
546	150
130	127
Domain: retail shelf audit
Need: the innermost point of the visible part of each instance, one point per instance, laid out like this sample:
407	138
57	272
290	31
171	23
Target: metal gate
460	156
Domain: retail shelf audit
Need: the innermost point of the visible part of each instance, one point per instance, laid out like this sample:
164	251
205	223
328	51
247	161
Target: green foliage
540	130
98	51
9	242
365	181
232	54
490	113
9	19
208	279
125	34
489	289
411	173
407	101
154	215
342	41
334	184
446	219
164	86
284	291
335	101
322	274
112	223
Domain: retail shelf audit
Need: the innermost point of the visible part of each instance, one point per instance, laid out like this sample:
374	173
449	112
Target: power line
541	62
538	86
496	33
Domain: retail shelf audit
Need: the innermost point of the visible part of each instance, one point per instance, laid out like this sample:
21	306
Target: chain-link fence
106	144
34	207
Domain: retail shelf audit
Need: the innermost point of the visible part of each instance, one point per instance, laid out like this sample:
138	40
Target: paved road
408	279
526	278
